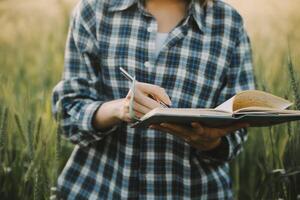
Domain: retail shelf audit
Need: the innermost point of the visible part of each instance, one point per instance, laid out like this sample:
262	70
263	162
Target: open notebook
255	107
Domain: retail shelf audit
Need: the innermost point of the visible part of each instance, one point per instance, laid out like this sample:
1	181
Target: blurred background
32	153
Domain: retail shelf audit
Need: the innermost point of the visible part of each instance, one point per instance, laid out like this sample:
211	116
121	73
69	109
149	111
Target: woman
191	54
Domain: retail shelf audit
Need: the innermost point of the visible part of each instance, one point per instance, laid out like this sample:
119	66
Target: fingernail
163	124
154	127
195	125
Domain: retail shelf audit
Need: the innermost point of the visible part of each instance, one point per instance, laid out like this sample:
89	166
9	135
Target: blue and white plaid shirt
205	60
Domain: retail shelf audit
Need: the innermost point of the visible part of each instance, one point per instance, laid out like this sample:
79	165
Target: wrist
107	115
219	154
117	111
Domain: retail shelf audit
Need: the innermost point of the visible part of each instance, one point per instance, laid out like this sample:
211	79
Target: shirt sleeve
239	77
78	95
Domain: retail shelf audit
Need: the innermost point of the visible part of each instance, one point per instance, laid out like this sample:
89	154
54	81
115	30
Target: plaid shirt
205	60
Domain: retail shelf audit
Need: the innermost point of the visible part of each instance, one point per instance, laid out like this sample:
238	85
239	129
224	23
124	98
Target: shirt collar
119	5
195	9
198	13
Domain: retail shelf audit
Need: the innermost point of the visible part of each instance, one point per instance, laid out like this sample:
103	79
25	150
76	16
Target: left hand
199	136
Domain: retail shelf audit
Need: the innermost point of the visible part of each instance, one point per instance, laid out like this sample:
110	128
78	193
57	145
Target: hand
199	136
142	102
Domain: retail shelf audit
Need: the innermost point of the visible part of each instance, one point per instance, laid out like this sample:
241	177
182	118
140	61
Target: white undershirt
160	39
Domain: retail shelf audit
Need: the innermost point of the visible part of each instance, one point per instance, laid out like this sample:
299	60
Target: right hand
142	102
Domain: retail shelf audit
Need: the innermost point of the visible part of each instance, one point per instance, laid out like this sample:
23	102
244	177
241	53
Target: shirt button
150	29
147	64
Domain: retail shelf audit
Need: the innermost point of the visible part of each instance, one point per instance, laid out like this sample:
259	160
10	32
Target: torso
193	67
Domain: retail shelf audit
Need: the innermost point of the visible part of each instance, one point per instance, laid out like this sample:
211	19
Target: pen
125	73
129	77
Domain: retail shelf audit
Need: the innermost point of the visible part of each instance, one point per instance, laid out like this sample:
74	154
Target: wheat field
32	153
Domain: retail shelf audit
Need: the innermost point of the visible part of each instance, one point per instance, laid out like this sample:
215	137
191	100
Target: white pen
129	77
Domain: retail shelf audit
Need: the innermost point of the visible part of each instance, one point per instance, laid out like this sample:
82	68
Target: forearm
107	114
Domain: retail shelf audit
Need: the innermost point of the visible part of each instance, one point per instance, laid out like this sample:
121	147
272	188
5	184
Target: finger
196	125
140	108
213	133
187	137
145	100
136	104
156	91
195	133
199	127
159	128
156	126
126	111
206	133
127	118
174	127
180	131
138	114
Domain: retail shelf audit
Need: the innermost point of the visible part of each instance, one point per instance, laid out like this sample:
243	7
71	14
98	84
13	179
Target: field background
32	153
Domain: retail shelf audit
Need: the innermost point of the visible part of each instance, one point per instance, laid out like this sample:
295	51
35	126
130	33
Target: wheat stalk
30	139
19	126
37	191
3	134
37	132
294	82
